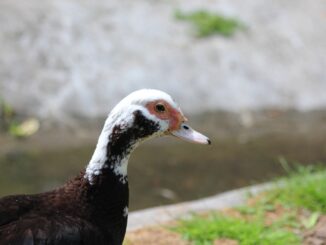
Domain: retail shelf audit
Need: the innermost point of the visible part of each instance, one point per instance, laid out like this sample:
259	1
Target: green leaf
24	129
311	221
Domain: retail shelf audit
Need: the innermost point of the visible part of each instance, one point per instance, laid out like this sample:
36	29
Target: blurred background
249	74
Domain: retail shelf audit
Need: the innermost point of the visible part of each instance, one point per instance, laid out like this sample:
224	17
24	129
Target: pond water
169	171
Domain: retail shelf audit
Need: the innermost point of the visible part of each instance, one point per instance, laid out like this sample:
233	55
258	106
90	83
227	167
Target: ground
292	212
317	236
162	235
154	235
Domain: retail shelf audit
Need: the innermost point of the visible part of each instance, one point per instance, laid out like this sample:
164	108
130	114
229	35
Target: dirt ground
154	235
317	236
162	236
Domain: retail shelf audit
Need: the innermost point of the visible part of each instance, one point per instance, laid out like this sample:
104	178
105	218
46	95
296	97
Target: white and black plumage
92	208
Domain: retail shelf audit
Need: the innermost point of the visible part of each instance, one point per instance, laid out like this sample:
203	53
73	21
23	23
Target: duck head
153	113
142	115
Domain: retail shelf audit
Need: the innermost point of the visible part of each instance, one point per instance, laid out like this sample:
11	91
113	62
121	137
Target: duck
92	208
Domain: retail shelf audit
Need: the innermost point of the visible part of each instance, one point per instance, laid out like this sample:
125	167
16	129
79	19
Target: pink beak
185	132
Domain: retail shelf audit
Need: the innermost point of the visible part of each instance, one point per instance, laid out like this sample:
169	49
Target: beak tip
209	142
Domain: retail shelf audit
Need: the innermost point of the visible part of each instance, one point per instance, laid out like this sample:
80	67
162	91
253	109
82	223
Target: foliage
207	23
9	122
304	188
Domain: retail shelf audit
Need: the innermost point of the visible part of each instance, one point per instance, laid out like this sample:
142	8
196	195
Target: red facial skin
175	116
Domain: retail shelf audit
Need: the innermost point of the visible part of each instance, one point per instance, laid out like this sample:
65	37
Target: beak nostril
185	127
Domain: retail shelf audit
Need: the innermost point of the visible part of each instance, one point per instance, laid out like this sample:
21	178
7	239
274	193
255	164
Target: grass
6	114
304	188
272	218
208	23
204	231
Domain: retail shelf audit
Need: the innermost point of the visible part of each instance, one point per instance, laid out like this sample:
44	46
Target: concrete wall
60	59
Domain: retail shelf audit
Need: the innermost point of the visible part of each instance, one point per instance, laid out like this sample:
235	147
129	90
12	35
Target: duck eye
160	108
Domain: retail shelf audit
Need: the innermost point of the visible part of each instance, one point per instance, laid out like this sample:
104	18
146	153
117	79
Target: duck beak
185	132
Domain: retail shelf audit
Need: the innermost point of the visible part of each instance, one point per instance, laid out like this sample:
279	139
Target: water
169	171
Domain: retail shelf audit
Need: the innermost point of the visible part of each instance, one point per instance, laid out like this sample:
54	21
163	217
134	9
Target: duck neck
111	156
106	179
118	139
